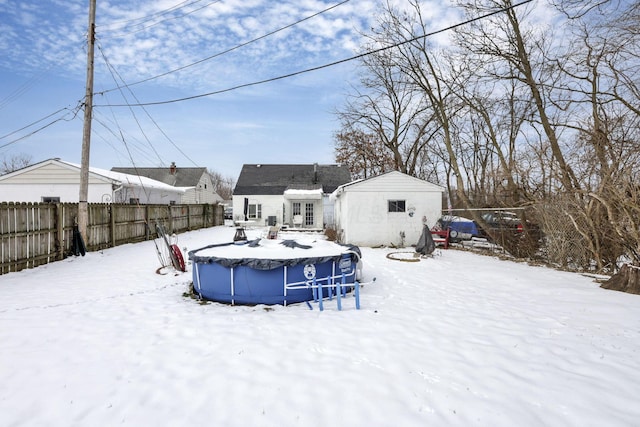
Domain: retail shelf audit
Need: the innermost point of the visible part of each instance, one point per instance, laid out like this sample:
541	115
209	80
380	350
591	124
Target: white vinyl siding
369	212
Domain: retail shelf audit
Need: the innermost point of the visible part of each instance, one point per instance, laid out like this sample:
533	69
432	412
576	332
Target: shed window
48	199
397	205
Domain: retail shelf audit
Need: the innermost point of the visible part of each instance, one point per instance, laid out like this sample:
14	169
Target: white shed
55	180
389	209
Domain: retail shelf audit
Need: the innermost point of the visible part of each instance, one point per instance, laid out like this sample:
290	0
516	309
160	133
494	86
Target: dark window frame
396	206
254	211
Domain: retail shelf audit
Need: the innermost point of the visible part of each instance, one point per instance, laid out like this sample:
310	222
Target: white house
293	195
196	181
389	209
55	180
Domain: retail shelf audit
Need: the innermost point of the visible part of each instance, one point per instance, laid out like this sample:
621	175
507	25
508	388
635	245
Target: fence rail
33	234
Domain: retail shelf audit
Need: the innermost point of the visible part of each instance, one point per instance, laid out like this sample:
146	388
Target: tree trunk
626	280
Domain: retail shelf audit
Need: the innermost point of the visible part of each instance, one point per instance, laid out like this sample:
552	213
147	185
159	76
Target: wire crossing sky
171	50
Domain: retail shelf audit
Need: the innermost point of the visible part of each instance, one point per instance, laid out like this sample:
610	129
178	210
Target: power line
134	143
74	112
233	48
113	76
24	88
147	18
164	20
320	67
114	73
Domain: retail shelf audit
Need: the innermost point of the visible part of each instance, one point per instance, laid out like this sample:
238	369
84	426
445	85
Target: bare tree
362	153
388	105
517	52
514	117
424	67
15	162
222	185
604	69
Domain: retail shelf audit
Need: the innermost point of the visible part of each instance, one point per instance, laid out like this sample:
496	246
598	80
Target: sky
43	64
156	59
457	339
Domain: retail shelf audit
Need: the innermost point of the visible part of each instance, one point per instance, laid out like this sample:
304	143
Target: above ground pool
266	271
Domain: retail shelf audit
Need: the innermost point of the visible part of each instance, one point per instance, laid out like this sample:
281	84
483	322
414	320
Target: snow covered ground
458	339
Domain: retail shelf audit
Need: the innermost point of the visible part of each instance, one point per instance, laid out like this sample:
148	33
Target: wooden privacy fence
32	234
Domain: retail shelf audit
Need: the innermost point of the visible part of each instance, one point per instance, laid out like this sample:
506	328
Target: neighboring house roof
130	179
271	179
174	176
117	178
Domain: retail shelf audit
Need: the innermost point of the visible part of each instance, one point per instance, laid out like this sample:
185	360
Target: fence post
60	230
146	221
112	225
204	215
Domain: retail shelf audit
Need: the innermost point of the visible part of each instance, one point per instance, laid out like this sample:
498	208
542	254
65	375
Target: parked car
503	220
507	230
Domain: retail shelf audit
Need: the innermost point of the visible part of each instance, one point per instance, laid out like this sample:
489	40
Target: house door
308	214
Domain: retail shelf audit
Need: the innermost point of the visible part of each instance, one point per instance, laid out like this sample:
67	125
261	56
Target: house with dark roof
196	182
292	195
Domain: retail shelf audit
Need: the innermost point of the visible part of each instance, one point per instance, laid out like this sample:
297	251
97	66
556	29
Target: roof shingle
275	179
183	177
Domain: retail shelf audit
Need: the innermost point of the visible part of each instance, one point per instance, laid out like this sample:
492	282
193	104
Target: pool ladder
333	287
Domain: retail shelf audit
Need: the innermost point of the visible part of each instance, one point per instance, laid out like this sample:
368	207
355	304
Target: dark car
507	229
503	220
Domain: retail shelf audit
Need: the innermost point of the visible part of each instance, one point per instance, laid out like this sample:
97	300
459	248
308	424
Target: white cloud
140	42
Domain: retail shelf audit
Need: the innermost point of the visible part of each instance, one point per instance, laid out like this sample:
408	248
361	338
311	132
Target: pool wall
251	281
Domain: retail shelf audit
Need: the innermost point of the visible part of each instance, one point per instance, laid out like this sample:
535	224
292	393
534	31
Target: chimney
173	168
315	173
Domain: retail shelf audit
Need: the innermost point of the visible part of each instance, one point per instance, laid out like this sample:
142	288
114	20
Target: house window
308	214
296	208
255	211
396	205
134	201
46	199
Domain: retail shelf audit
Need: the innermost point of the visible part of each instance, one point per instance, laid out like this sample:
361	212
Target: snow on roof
303	192
131	180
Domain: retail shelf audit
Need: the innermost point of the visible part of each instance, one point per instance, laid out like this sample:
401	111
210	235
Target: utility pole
83	209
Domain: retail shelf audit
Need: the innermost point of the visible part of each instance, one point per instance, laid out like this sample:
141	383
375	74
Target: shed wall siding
98	192
68	193
392	182
50	173
362	216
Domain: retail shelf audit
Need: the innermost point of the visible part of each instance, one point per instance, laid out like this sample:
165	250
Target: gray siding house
196	182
